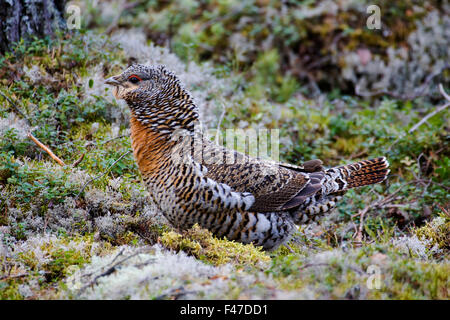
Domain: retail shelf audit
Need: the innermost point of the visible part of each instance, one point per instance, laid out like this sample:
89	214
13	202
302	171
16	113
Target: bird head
155	97
137	80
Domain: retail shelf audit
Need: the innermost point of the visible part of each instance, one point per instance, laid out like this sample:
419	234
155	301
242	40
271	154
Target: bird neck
151	149
155	152
171	110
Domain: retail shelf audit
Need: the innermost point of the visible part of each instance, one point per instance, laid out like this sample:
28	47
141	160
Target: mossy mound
436	231
203	245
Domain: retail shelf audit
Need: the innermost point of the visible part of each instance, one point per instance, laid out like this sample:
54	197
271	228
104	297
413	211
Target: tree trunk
26	18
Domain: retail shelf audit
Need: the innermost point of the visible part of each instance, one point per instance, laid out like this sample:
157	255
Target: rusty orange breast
149	147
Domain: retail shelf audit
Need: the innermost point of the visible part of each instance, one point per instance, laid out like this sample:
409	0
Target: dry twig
434	112
46	149
428	116
376	204
111	268
77	162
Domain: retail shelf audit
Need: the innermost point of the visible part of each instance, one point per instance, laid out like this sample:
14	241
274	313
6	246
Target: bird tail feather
365	172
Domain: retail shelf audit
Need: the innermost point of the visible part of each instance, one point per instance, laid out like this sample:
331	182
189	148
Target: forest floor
87	230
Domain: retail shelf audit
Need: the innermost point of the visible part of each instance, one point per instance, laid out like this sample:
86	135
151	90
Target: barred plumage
248	200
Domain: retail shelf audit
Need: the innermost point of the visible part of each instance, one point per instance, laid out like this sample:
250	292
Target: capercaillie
191	179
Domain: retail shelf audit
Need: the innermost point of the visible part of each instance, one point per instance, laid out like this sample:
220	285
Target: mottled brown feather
271	184
249	200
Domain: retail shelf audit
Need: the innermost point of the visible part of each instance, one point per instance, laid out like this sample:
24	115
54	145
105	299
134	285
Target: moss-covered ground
87	230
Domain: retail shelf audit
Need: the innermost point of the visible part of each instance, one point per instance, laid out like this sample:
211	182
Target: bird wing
308	166
275	186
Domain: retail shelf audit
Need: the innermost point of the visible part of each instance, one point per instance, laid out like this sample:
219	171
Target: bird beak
112	81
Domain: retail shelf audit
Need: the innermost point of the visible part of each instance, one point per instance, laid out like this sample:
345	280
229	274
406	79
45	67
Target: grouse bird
249	200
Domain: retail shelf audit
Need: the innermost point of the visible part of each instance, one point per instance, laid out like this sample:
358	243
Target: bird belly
268	230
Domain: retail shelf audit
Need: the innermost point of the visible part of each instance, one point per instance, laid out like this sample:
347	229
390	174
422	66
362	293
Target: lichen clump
437	231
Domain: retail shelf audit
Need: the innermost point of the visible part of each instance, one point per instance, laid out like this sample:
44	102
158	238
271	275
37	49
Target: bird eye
134	79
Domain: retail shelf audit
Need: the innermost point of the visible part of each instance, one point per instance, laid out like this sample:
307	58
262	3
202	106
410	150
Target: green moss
345	274
204	246
59	256
417	280
438	231
61	260
9	290
44	271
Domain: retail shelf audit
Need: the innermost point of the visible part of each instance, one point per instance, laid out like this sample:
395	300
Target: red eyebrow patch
134	76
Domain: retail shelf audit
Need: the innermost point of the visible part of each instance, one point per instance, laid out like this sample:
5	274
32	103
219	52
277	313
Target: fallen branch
309	265
101	175
46	149
320	264
20	275
384	202
174	293
443	209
